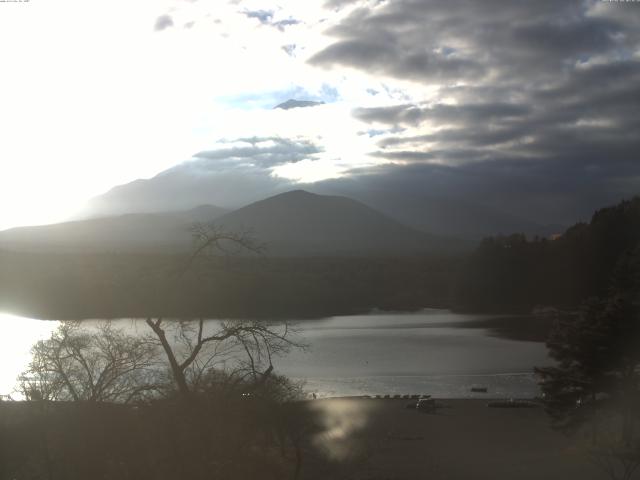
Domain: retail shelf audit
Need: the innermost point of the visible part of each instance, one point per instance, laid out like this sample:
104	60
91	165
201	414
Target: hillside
296	223
211	178
299	223
512	273
425	211
131	232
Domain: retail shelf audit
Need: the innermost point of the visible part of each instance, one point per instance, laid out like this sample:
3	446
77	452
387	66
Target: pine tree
595	383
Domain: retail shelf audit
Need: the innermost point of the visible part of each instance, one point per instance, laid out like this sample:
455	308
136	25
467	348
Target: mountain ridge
294	223
130	232
323	223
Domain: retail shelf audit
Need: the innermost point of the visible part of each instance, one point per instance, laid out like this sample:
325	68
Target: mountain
184	186
431	213
295	223
291	103
300	223
246	176
130	232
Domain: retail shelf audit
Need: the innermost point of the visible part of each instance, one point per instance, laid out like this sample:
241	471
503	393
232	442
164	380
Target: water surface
432	351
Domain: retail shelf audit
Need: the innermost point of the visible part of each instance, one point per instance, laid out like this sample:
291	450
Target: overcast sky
529	105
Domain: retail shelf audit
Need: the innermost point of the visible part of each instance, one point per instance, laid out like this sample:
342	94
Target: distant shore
527	328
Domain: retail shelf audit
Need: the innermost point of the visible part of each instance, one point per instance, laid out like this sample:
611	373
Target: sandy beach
381	439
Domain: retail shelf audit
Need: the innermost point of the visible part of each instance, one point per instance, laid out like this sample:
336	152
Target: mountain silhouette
130	232
299	223
295	223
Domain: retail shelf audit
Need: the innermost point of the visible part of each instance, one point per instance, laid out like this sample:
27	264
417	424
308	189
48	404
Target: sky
529	108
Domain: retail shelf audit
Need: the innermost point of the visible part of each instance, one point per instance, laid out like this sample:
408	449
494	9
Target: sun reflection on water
19	334
343	420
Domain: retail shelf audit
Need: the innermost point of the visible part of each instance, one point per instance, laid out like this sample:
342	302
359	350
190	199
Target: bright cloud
96	94
101	93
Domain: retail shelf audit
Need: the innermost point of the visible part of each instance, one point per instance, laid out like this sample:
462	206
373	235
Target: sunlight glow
79	117
15	346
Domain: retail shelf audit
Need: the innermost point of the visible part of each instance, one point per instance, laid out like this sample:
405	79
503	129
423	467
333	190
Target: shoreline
522	385
383	439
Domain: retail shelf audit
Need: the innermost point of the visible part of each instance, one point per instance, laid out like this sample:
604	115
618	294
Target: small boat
426	405
479	389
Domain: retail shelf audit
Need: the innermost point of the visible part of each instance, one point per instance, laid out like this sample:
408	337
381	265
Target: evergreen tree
596	381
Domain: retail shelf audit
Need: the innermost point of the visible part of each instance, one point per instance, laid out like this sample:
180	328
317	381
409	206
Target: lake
432	351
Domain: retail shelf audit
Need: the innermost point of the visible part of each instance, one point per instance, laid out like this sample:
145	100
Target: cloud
339	3
436	40
267	17
386	55
163	22
261	152
577	118
235	173
529	107
508	192
264	16
540	94
282	24
440	113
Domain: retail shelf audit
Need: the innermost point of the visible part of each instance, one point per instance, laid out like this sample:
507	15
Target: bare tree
246	347
211	239
83	364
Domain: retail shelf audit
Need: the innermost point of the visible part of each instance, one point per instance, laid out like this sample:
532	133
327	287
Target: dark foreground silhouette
249	438
214	436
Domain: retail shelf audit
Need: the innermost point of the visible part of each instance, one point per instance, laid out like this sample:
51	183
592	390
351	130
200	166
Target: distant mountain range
295	223
443	216
191	183
149	232
302	223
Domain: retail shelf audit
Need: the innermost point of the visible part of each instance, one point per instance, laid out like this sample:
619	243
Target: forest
515	274
510	274
75	286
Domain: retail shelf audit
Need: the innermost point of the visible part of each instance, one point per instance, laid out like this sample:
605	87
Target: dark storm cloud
386	55
537	108
414	114
465	39
163	22
559	122
263	152
505	195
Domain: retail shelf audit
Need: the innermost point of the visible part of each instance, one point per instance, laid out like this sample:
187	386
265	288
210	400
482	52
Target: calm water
433	351
427	352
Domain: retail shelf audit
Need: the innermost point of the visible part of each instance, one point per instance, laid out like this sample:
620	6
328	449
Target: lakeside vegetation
515	274
206	404
72	286
505	274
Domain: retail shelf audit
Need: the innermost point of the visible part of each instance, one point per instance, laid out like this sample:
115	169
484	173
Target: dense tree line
593	391
73	286
505	273
513	273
